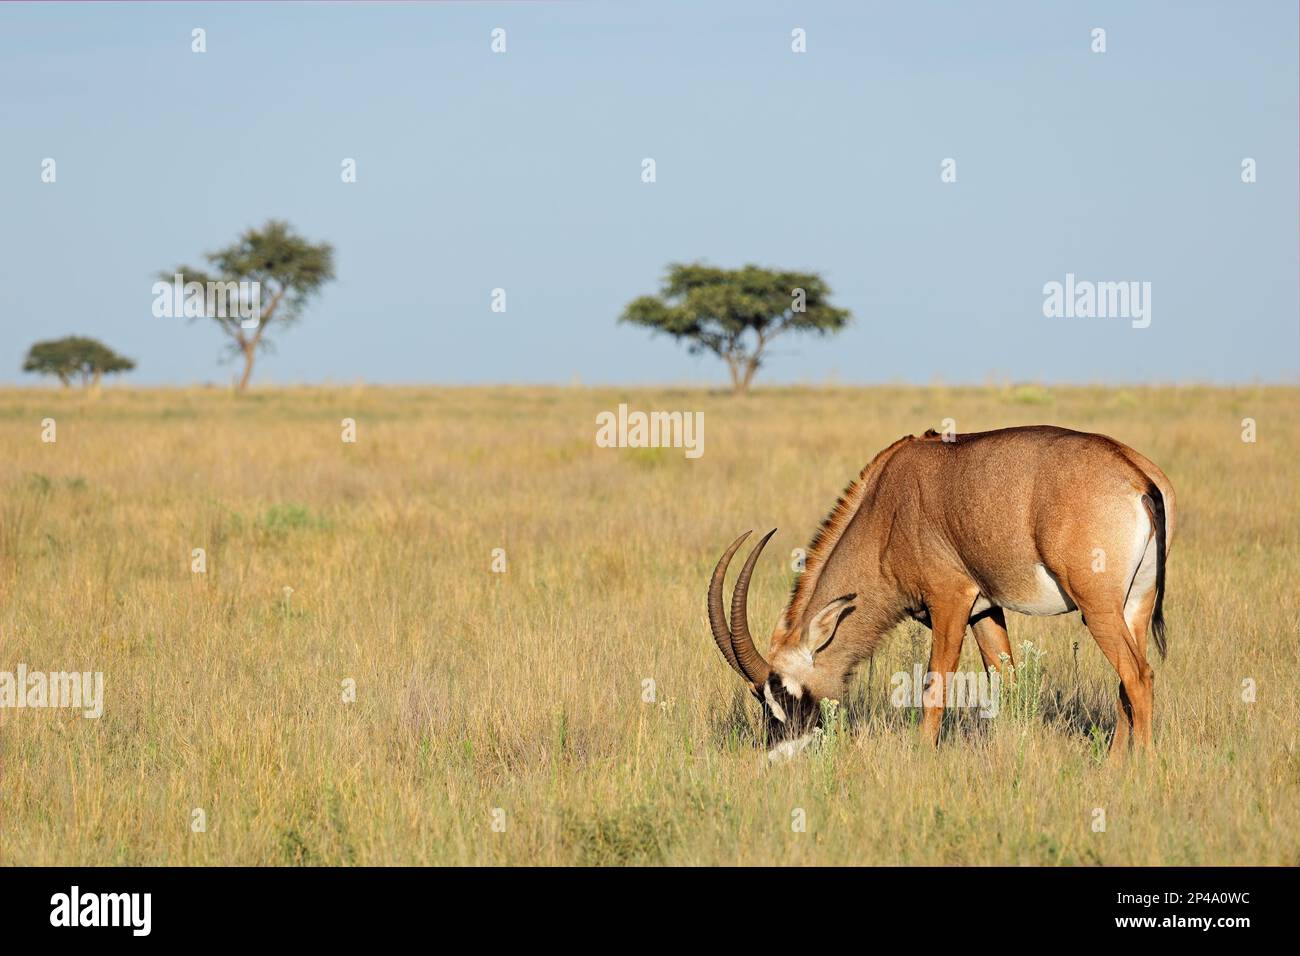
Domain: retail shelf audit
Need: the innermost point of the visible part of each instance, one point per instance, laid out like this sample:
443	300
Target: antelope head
790	688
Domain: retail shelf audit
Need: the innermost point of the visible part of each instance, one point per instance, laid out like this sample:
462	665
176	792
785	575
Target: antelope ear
821	629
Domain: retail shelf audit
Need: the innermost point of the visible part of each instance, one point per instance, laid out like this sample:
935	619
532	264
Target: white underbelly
1046	599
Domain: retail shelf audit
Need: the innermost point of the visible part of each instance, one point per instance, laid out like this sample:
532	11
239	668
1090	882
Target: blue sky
522	171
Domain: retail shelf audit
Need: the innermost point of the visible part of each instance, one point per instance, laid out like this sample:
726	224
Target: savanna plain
357	678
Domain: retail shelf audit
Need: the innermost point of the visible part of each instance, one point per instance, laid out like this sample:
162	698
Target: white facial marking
777	711
787	749
794	665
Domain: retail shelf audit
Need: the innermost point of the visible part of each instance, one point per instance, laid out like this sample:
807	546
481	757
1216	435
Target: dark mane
832	527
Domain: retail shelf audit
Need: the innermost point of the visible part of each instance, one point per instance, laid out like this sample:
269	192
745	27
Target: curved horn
751	662
717	618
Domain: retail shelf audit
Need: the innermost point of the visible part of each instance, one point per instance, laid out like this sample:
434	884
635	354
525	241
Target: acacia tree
87	360
289	270
736	313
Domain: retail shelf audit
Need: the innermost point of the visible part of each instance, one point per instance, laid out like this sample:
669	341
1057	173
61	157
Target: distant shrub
1028	395
279	519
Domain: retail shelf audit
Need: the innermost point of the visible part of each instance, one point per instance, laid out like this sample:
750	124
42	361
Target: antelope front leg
948	624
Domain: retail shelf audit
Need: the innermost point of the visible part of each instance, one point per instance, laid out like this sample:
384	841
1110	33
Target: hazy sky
523	171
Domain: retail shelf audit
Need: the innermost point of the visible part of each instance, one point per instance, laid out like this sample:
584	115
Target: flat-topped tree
289	271
75	357
736	313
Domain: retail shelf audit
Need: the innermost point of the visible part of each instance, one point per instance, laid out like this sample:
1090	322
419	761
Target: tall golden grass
501	718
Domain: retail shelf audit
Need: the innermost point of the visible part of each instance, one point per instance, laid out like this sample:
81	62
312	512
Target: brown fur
1008	518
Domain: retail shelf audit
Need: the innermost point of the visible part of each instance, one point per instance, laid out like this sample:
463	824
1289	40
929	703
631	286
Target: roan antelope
1040	520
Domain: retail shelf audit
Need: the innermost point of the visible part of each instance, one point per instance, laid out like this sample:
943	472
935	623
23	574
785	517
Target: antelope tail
1158	615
